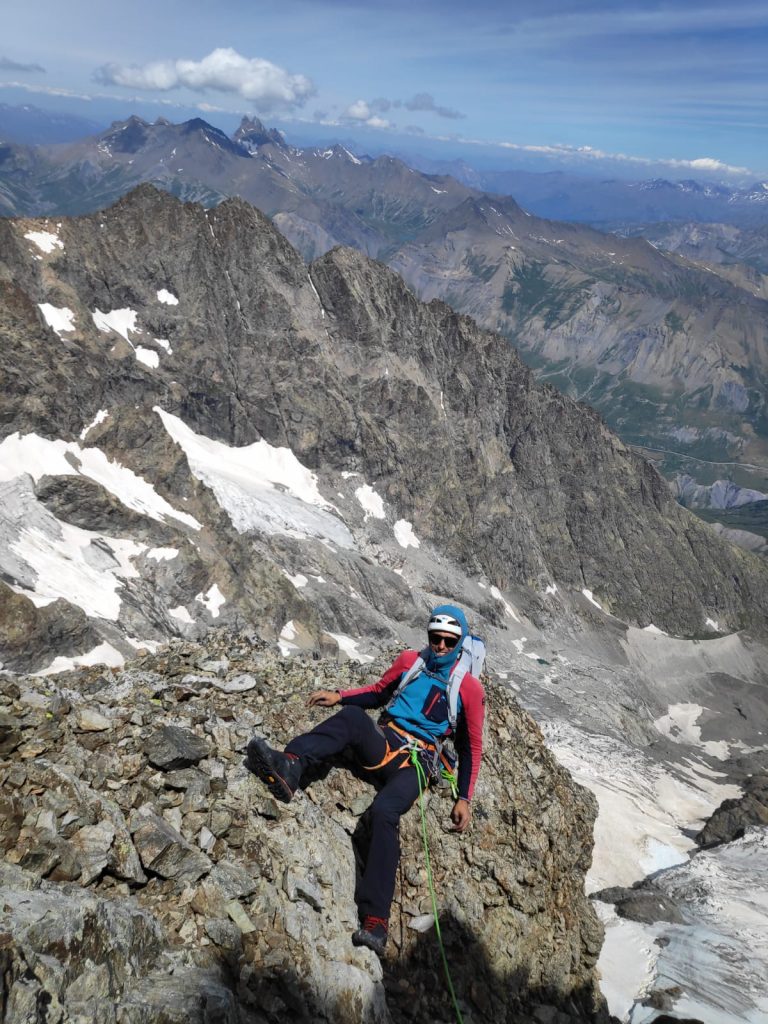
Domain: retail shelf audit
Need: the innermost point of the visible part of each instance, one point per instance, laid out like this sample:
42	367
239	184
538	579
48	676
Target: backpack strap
471	660
409	676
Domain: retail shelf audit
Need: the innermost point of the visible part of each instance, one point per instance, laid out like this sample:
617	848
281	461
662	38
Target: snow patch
166	297
147	645
104	654
286	638
299	580
679	725
518	645
164	343
213	599
591	599
372	503
121	321
551	589
261	488
349	647
38	457
627	959
148	356
58	319
317	296
162	554
711	624
404	534
181	614
100	416
78	565
46	241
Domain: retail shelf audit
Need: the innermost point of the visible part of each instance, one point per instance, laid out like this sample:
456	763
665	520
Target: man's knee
385	813
353	713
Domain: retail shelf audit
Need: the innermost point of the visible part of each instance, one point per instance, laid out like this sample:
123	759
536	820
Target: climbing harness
421	775
438	761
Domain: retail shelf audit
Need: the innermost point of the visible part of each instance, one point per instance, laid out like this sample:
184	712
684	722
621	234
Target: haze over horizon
638	89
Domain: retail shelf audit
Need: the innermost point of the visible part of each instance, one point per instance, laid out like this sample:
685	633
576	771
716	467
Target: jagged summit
252	133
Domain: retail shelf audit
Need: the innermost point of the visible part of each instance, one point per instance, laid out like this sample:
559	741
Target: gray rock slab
165	852
172	747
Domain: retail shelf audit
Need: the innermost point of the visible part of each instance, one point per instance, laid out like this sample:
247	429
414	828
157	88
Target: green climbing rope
421	775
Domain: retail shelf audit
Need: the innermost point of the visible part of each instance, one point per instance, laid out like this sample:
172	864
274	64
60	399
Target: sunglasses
449	641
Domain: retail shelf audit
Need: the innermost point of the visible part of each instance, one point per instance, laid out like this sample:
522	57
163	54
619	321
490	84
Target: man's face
441	642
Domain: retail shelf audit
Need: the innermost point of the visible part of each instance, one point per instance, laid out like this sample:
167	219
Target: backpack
471	660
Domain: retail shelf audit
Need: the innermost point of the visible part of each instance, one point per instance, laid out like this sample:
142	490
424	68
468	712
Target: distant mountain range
671	348
615	204
30	125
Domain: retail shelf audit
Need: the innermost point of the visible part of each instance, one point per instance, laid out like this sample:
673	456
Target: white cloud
362	112
225	70
703	163
358	111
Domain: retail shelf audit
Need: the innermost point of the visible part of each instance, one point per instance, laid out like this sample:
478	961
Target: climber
417	716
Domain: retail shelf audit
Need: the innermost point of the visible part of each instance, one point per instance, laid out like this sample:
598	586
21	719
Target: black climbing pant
352	727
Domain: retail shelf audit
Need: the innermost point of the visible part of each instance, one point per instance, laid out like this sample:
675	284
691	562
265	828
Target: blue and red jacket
422	709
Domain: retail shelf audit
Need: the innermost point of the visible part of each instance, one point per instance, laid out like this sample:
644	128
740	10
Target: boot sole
260	763
361	938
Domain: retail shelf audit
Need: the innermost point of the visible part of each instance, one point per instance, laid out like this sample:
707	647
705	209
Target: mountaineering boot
279	772
372	933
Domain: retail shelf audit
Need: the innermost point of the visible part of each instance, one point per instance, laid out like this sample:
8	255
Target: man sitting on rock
417	719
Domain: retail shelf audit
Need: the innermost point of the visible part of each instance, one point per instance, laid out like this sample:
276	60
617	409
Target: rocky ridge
147	875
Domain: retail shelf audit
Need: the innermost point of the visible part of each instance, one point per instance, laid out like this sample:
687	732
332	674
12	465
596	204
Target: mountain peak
127	136
214	136
252	133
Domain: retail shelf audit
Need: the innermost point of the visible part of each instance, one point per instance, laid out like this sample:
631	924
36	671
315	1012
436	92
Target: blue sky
679	88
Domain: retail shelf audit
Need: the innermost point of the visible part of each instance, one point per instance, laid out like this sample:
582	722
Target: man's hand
324	698
461	815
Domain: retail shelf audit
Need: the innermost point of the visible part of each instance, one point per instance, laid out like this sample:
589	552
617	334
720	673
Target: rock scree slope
148	876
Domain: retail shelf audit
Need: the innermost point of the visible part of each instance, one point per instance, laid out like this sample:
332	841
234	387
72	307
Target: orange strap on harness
390	754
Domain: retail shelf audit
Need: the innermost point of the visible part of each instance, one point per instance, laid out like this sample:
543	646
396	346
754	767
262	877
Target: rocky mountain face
671	349
146	339
147	875
672	354
199	430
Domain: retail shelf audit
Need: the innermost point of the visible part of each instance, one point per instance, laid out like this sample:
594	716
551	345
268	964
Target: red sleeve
469	734
376	694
